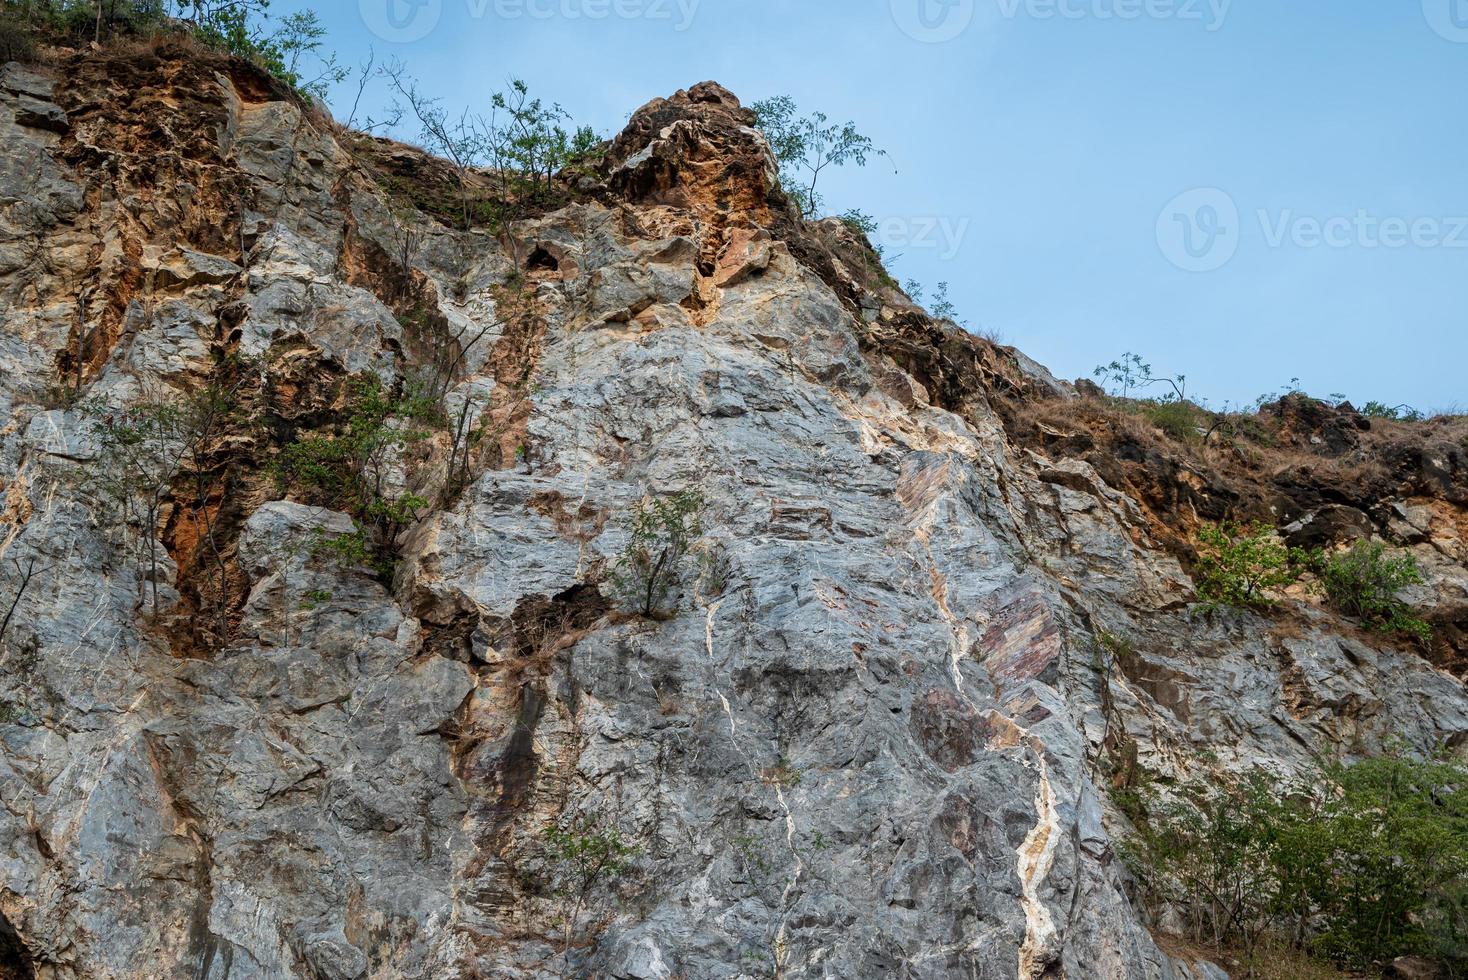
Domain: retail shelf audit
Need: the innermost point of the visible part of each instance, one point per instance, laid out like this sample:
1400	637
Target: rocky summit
879	724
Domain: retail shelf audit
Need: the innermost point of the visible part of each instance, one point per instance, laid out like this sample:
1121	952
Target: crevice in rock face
16	962
209	509
540	629
505	424
413	298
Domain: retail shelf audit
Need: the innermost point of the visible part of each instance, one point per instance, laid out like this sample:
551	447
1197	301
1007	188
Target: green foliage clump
1240	565
1360	863
805	146
1204	856
662	530
1180	420
351	468
26	25
1391	413
581	858
1365	582
238	27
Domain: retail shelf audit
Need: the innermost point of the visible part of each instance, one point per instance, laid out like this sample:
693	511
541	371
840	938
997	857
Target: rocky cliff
877	739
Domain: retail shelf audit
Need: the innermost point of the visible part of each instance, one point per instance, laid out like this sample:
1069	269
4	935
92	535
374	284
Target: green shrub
1205	856
528	141
1241	565
1394	413
1180	420
236	27
1361	863
652	565
1394	835
350	468
1364	582
580	858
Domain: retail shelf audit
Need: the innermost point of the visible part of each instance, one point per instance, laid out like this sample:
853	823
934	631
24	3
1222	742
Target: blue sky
1242	191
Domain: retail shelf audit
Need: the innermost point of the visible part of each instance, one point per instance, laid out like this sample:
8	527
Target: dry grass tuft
1270	961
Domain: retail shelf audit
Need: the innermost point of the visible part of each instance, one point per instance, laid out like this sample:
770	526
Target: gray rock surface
868	748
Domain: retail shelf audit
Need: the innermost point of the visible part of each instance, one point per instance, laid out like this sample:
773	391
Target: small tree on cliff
582	857
663	530
459	140
142	450
806	146
529	142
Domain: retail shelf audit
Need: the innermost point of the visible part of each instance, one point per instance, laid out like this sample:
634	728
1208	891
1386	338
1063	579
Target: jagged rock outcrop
879	743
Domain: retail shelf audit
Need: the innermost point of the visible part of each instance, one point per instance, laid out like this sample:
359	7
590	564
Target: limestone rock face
873	744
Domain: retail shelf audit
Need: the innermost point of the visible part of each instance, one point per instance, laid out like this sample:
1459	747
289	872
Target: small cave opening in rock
540	259
15	959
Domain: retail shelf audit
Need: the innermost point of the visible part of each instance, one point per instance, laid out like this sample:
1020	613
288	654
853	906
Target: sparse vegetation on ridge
292	50
505	161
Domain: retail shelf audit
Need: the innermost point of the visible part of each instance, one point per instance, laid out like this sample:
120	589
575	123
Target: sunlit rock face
879	741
